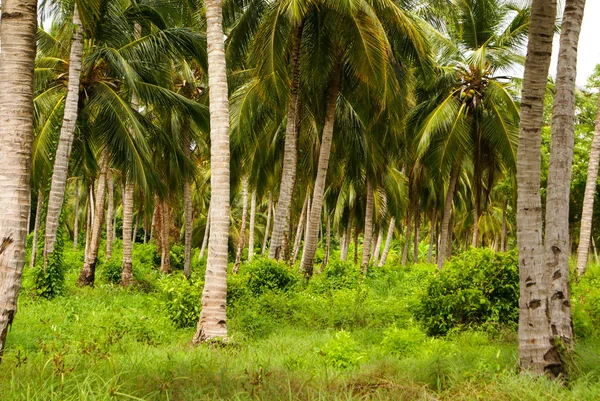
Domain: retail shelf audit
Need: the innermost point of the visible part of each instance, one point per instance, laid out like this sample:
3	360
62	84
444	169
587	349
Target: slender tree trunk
355	245
504	236
416	237
187	206
127	262
587	213
213	317
388	242
89	218
476	214
450	237
242	241
267	226
368	236
165	260
446	228
88	273
153	222
307	222
36	227
109	216
557	241
407	235
377	250
301	220
433	221
206	233
290	153
65	141
347	236
252	222
135	228
327	242
76	219
17	35
310	242
537	351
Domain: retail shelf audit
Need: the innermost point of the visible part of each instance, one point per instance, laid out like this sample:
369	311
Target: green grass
357	340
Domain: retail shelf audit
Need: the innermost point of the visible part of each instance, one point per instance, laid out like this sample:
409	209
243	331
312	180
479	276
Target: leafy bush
181	299
336	276
111	271
476	287
177	255
342	352
267	275
585	301
402	342
49	282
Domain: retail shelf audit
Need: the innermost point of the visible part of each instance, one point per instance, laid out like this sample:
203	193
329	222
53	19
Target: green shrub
585	301
181	299
111	271
342	352
476	287
268	275
49	282
177	255
336	276
402	342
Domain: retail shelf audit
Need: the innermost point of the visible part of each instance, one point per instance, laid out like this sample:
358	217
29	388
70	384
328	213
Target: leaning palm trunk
290	155
88	273
251	228
310	242
388	242
556	239
242	241
301	220
36	227
377	250
446	227
17	35
368	235
537	351
267	225
212	321
187	207
109	216
206	233
585	231
65	141
127	262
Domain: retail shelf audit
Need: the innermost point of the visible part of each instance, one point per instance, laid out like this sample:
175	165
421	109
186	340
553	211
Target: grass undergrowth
341	337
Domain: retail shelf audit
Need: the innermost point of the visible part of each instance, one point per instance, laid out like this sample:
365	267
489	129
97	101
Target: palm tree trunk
187	206
388	242
206	233
432	234
355	245
504	236
587	213
444	235
36	227
347	236
109	216
88	273
89	218
310	242
252	222
65	141
301	220
368	235
135	228
76	218
212	321
267	226
537	352
407	235
377	250
290	154
153	222
450	236
17	35
165	259
127	262
556	239
242	241
327	242
416	237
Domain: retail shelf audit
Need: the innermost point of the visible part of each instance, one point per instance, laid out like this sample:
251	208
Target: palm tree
18	41
212	321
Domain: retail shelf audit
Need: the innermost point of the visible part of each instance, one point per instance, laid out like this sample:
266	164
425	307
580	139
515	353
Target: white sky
589	43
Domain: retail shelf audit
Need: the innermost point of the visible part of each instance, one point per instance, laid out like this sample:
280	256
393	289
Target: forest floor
343	342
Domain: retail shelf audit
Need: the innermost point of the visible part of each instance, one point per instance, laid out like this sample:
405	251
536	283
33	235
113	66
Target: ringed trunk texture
206	233
213	318
587	213
557	241
251	228
267	226
290	155
65	141
388	242
187	207
88	273
310	242
537	351
109	216
127	263
441	256
18	37
368	235
76	218
36	227
242	241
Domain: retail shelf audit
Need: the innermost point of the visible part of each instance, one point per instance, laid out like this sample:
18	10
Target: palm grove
286	129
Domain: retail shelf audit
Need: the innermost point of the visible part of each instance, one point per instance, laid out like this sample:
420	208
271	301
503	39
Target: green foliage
476	287
49	282
585	301
267	275
111	271
337	275
181	299
177	255
342	352
402	342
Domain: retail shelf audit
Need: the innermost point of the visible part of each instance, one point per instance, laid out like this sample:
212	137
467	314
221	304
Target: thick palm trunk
242	241
127	262
310	242
441	256
377	250
187	206
290	155
537	351
251	228
587	213
388	242
212	322
267	225
17	35
299	229
368	235
65	141
556	240
165	258
76	218
88	273
36	227
109	216
432	235
206	234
